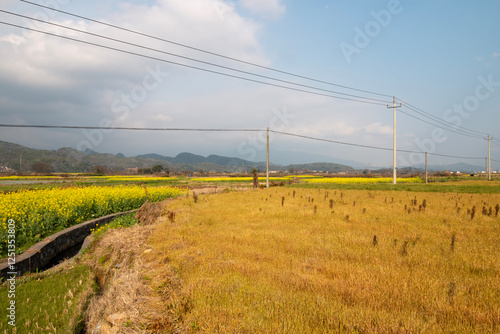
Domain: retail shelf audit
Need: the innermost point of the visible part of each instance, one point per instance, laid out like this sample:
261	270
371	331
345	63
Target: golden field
292	260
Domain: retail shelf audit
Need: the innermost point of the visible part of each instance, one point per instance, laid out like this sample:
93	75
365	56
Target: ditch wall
40	254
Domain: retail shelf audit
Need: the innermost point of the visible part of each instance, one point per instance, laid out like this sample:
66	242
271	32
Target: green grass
56	299
471	187
50	302
120	222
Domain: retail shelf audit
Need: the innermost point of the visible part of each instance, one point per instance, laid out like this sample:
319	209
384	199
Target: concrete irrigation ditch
42	254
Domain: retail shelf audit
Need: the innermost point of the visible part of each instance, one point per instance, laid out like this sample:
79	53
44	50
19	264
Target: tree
157	169
101	170
42	167
145	170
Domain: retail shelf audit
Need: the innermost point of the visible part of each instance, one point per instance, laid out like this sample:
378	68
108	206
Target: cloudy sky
441	59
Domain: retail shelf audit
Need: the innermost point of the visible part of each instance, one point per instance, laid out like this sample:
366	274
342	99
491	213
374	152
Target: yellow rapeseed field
38	213
249	178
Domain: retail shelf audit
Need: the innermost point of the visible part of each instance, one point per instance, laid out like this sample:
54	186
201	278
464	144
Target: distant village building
132	170
5	169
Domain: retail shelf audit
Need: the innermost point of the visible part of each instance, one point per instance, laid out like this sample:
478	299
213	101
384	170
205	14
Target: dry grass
375	262
127	303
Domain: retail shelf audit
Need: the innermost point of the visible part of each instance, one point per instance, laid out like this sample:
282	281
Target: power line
339	142
124	128
450	130
205	51
454	156
454	128
189	58
368	146
188	66
226	130
438	120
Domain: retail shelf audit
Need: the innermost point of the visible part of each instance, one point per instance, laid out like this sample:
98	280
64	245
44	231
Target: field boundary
40	254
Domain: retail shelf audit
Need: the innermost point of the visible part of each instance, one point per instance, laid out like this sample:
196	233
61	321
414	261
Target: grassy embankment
290	260
50	302
55	301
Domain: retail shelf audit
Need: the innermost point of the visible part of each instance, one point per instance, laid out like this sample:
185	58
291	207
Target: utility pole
20	164
394	140
267	161
488	167
425	167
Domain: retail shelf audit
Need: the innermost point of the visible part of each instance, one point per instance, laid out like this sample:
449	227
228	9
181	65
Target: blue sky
439	56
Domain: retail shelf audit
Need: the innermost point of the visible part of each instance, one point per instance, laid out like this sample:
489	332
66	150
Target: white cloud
36	66
378	129
267	8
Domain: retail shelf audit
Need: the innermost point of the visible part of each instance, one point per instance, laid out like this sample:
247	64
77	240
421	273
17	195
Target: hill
15	157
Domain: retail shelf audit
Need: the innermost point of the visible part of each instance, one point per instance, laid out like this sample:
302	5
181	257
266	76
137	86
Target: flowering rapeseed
39	213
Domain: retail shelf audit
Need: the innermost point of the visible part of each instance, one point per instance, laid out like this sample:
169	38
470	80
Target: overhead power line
448	125
455	156
371	147
189	58
441	127
204	51
124	128
188	66
225	130
339	142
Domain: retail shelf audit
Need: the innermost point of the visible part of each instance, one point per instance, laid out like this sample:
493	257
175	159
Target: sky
439	59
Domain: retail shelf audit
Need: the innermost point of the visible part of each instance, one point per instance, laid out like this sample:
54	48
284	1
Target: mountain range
14	157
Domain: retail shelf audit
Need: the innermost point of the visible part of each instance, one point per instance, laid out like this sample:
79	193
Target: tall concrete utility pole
489	159
394	140
267	161
425	167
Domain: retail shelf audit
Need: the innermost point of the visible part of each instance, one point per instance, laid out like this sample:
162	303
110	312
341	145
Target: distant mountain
14	157
89	151
193	159
321	167
67	160
189	159
225	161
456	167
